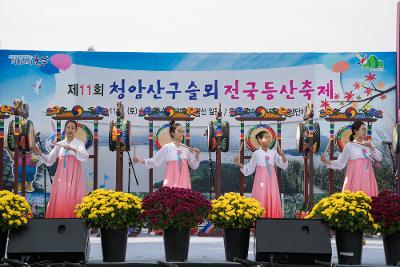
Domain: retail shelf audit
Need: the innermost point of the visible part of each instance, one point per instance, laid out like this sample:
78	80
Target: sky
199	26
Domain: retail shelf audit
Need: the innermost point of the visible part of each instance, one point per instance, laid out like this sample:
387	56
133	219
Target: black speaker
292	241
55	240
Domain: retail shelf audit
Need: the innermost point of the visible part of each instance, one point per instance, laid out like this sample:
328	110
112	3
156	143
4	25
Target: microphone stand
39	140
211	174
130	165
389	144
307	205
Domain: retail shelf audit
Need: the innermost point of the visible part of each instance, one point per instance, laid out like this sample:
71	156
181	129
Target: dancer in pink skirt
358	155
265	185
177	157
68	186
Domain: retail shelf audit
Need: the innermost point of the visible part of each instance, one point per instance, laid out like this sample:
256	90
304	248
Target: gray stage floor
211	249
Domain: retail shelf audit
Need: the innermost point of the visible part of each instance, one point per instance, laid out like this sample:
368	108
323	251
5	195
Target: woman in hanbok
178	158
265	185
358	155
68	186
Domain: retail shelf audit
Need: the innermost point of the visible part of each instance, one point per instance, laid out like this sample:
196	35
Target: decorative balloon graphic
57	62
340	66
61	61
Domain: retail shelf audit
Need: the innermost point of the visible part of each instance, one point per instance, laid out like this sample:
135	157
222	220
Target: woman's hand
34	159
37	150
237	162
196	152
324	159
280	152
369	144
137	160
70	148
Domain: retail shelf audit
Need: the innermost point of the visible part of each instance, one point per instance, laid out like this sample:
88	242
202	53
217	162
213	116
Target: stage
150	249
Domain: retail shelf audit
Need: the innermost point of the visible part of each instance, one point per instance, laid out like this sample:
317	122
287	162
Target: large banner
45	79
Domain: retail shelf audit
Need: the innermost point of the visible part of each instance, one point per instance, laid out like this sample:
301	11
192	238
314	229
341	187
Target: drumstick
327	147
278	146
240	149
188	147
363	144
57	144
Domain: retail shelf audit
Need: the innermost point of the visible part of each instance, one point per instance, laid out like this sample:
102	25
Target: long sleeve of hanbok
250	167
342	160
51	157
82	154
193	162
279	162
157	159
376	154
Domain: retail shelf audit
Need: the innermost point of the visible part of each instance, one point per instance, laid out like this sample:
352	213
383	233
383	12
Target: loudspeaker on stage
292	241
55	240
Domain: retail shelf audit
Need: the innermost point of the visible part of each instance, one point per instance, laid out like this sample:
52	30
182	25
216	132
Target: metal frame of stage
236	263
398	92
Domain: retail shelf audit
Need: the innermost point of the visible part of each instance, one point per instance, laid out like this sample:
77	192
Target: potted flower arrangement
175	210
386	213
113	212
235	214
14	214
349	214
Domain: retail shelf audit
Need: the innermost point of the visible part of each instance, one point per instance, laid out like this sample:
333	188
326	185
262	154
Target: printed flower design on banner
369	86
357	85
324	104
349	95
383	97
370	77
380	85
369	89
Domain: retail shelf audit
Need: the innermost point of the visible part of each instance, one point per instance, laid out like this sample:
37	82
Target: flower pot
236	242
349	247
113	244
391	244
3	243
176	244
